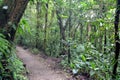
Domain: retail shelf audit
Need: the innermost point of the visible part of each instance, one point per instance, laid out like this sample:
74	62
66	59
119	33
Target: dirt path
39	68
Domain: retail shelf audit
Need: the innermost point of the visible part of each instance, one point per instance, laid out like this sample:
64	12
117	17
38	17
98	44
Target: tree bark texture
38	8
14	13
117	45
62	32
46	24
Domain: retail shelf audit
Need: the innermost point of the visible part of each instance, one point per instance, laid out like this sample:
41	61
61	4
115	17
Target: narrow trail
38	67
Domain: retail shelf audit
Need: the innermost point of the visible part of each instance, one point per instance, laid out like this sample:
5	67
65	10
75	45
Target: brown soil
41	68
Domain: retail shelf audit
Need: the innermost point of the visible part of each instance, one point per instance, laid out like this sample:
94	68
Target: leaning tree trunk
12	11
117	44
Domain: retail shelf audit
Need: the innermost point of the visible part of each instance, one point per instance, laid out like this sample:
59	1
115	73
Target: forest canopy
83	33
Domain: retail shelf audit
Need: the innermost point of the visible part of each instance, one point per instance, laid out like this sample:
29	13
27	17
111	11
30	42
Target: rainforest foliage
11	68
84	33
79	31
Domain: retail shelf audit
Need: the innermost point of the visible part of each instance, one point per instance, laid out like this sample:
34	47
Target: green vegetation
11	68
84	33
79	31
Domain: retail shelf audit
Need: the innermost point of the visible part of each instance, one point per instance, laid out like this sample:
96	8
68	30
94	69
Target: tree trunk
117	45
38	8
88	32
14	13
70	26
81	34
105	40
95	40
46	24
62	31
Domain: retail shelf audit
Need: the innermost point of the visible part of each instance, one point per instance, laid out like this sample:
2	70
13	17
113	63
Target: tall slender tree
70	14
46	24
117	44
38	8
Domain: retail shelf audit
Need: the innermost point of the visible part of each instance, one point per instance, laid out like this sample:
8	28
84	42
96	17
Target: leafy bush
35	51
11	68
86	59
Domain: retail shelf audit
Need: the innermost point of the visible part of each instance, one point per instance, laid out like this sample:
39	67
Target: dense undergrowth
87	61
85	58
88	36
11	68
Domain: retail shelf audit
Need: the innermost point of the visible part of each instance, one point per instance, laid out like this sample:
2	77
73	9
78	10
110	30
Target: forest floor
40	67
